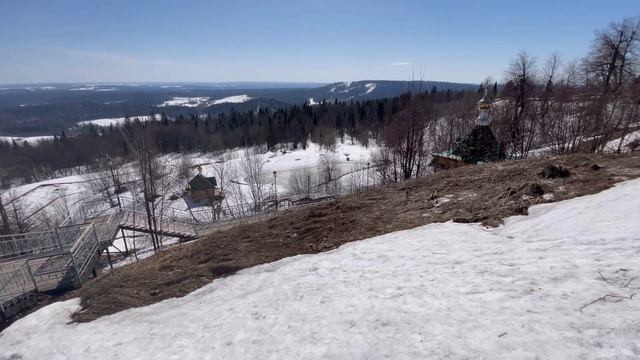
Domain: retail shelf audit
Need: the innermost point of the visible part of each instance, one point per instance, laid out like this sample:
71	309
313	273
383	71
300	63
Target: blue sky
208	41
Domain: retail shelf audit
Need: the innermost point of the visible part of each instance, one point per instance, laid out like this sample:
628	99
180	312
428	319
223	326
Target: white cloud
400	63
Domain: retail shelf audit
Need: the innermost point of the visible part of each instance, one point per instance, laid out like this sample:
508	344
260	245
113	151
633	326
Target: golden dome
485	103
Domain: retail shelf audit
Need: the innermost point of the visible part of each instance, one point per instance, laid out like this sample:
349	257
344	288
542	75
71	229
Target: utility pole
115	182
275	187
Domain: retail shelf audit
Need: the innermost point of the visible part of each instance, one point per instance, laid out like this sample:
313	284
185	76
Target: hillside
485	194
559	283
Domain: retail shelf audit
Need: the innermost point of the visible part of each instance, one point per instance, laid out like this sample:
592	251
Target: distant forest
293	126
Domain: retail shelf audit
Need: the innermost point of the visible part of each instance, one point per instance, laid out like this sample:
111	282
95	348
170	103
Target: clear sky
322	40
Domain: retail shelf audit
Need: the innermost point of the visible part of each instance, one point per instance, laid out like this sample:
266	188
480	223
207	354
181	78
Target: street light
368	165
275	187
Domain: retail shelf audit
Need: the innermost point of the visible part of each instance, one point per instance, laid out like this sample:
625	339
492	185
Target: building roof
448	154
200	182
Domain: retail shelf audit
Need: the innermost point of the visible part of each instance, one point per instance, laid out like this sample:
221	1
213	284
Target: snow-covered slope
437	291
32	140
119	120
185	101
204	101
232	99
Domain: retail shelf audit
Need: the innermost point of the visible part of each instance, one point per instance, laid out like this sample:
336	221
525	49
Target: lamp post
368	165
115	183
275	187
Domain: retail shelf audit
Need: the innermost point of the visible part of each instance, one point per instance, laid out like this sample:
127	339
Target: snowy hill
558	283
373	89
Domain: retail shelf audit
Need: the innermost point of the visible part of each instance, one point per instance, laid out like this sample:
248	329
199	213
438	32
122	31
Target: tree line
294	126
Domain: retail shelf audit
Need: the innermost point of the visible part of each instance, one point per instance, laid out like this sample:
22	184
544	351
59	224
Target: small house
203	191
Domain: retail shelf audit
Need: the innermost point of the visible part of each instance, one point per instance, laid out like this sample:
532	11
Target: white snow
118	120
32	140
232	99
34	88
370	87
621	143
610	147
287	163
85	88
36	195
203	101
437	291
312	102
186	101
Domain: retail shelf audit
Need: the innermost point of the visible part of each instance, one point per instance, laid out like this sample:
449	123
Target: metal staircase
66	257
137	221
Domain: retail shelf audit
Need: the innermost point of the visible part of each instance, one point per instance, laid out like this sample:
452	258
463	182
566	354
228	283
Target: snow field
31	140
204	101
119	120
438	291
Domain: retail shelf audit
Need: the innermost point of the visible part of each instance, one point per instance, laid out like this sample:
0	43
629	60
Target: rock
596	167
535	189
223	270
552	172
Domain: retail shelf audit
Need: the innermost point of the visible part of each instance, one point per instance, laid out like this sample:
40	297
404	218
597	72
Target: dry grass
486	194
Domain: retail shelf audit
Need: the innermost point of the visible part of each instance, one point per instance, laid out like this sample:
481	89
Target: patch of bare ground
485	193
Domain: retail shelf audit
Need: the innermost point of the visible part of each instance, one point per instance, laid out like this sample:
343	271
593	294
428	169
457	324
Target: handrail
7	295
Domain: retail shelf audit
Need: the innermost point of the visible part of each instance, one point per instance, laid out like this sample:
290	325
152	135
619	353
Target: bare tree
235	197
386	168
140	140
329	171
104	179
56	212
301	181
356	180
612	66
182	174
18	216
5	227
407	137
222	169
519	123
454	120
252	167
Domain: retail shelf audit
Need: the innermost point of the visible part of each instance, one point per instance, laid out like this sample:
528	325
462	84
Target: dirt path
486	194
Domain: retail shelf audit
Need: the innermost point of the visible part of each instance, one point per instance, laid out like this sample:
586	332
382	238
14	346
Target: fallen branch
602	277
629	282
604	298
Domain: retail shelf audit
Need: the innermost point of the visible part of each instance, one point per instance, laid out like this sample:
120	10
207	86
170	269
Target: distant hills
41	109
374	89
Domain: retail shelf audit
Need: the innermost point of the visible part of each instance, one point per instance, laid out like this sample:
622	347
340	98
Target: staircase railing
18	282
16	245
